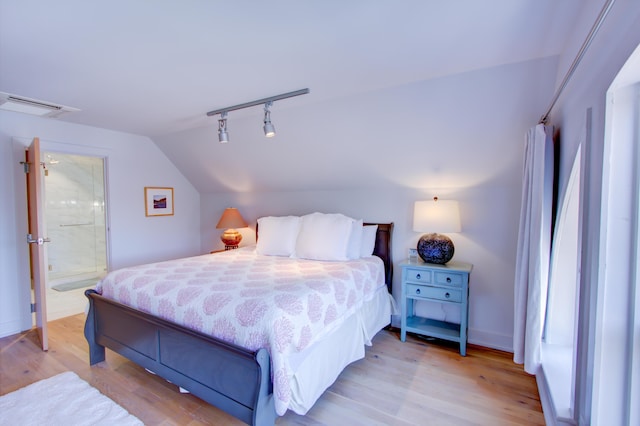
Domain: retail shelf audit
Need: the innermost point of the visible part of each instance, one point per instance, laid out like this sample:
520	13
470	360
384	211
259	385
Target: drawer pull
447	295
448	279
418	277
417	291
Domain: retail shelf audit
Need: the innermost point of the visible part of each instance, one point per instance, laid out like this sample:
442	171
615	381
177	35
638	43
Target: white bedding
288	306
318	366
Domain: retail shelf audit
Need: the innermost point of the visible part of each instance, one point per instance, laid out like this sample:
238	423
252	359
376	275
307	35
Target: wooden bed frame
230	377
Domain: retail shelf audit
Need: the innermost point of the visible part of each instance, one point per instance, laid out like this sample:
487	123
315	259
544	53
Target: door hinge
33	308
25	165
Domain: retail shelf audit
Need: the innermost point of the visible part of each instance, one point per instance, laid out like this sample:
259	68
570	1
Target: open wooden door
35	238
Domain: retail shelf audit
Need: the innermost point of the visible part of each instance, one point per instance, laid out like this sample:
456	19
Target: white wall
459	137
133	162
486	240
454	131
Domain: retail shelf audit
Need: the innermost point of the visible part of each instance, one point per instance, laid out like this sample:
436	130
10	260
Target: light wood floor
412	383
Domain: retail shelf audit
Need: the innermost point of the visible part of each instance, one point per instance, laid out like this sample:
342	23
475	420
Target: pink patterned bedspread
272	302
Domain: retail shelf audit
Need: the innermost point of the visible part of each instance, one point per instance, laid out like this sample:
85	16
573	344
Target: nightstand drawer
418	275
438	293
448	278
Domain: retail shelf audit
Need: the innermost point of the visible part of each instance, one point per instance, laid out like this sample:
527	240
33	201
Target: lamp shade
231	218
435	216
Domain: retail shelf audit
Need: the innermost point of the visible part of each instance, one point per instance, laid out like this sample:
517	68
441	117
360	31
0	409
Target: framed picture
158	201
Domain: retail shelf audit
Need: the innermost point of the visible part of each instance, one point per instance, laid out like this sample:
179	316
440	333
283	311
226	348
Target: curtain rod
259	102
587	42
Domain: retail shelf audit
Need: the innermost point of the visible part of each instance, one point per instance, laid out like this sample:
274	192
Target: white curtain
534	242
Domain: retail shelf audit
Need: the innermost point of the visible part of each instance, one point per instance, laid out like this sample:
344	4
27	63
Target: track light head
269	129
223	135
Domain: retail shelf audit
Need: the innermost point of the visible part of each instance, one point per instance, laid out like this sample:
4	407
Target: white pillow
355	240
368	240
323	236
277	235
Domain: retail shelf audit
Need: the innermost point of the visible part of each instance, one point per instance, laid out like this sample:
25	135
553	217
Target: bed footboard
227	376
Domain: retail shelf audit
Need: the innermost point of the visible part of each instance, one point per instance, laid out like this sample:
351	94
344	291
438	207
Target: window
558	348
616	379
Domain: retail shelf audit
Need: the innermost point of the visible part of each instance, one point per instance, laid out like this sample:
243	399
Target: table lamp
230	220
435	216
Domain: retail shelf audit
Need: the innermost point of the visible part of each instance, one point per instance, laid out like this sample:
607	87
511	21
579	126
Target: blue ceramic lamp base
435	248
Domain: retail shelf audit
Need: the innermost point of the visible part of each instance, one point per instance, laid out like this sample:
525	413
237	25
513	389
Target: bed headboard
382	249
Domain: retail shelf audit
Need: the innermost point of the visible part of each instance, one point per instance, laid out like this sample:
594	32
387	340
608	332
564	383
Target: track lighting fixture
269	129
223	136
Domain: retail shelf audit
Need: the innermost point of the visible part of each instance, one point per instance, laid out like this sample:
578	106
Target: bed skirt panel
319	366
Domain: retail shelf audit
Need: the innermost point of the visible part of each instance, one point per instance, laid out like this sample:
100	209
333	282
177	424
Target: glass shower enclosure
75	219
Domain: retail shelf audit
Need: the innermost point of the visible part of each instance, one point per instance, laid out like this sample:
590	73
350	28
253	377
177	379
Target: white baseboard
10	327
501	342
487	339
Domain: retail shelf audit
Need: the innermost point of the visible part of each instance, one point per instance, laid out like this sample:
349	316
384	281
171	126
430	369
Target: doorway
75	222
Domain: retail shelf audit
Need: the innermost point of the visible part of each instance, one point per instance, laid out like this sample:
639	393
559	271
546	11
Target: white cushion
323	236
355	240
277	235
368	240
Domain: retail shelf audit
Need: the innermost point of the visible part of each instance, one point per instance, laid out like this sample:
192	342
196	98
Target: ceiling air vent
32	106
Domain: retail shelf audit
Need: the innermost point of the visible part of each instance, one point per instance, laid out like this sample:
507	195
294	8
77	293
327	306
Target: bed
241	378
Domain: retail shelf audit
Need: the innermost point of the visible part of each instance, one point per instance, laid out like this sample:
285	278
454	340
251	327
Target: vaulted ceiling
155	68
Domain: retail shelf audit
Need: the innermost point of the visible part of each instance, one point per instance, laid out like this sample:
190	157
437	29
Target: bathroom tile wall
74	216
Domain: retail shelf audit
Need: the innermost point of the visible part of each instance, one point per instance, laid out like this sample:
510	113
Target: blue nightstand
431	282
